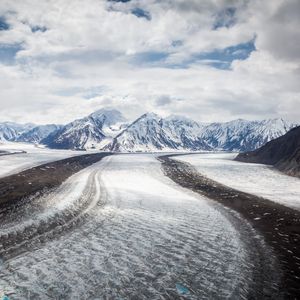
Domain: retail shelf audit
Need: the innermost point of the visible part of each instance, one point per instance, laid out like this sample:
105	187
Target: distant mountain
107	129
242	135
283	153
93	131
153	133
10	131
38	133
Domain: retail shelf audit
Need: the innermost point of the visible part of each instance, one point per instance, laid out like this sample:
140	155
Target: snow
151	132
38	133
11	130
68	197
149	239
243	135
257	179
94	131
11	164
108	117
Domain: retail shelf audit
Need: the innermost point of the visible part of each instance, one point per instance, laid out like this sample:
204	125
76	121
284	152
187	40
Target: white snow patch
149	238
35	155
256	179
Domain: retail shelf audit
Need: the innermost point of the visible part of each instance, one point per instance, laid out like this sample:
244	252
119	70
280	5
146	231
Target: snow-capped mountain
186	131
38	133
153	133
150	132
93	131
243	135
283	153
107	129
10	131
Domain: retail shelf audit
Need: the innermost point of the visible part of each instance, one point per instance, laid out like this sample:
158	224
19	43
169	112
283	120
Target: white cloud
90	44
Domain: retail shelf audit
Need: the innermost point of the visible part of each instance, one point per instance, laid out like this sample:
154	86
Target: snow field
257	179
151	240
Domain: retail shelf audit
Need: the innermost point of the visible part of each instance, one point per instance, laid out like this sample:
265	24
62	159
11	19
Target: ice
182	290
257	179
11	164
149	239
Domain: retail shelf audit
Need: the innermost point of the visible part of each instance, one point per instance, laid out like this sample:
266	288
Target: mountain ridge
283	153
108	129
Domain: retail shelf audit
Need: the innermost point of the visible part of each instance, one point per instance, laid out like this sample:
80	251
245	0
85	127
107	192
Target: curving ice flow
257	179
33	156
150	240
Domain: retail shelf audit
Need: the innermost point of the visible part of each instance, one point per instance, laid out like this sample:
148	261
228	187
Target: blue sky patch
3	24
218	58
222	58
149	58
38	28
140	13
8	53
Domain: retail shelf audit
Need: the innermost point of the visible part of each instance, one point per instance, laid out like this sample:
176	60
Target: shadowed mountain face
87	132
151	132
283	153
107	129
10	131
36	134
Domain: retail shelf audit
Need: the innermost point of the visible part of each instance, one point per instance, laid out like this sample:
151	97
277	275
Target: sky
210	60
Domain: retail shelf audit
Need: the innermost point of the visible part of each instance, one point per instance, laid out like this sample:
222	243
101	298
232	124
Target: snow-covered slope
243	135
10	131
283	153
36	134
107	129
153	133
149	240
256	179
150	132
29	156
93	131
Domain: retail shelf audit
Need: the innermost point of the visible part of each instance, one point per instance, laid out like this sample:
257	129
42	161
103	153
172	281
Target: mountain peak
150	115
107	128
110	116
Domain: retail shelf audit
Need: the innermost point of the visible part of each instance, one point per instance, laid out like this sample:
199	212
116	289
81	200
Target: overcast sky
211	60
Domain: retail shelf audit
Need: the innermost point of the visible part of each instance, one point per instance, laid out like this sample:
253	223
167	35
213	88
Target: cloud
223	59
163	100
225	18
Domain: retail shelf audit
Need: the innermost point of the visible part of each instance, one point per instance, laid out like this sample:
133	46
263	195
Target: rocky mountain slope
93	131
38	133
10	131
152	133
243	135
107	129
283	153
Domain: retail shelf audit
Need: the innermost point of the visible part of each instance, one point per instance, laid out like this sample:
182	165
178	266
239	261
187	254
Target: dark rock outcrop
283	153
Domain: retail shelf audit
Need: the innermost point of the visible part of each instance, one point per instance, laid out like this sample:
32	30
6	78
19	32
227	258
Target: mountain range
283	153
108	129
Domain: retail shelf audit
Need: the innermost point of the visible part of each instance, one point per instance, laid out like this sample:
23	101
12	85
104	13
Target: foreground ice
257	179
150	240
11	164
